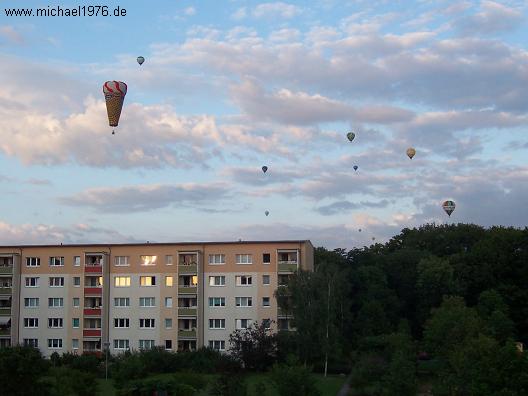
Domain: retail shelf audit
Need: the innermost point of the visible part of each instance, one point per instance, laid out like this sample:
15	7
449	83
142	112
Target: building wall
161	269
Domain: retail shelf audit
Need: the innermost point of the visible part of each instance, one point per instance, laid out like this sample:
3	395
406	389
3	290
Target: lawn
105	388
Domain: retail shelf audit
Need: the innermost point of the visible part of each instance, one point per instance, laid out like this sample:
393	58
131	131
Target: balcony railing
287	266
6	270
188	268
187	311
5	290
5	332
5	311
187	333
93	269
92	311
91	332
93	291
187	289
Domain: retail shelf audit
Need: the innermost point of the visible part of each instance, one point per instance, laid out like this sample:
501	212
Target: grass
328	386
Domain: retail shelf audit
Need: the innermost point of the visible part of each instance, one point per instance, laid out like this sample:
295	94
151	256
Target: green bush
64	381
293	379
229	385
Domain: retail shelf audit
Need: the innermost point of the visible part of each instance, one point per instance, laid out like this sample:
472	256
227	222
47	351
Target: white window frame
53	280
151	344
147	261
28	300
217	324
121	261
218	345
78	302
55	323
217	259
147	323
75	343
239	300
121	344
269	302
120	299
78	323
31	323
168	259
268	277
145	299
33	342
168	319
214	278
239	325
244	259
32	261
53	261
212	300
76	261
266	262
32	279
121	281
121	323
53	300
52	341
75	278
243	280
168	302
167	278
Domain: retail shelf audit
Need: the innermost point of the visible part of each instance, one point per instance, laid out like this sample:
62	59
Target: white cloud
189	11
10	34
276	10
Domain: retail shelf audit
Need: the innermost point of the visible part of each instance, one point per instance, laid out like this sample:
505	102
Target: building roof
155	244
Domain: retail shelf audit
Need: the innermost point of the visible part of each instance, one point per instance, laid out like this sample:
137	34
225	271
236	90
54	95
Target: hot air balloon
449	207
411	152
351	136
355	167
359	230
264	168
373	238
114	92
266	213
140	60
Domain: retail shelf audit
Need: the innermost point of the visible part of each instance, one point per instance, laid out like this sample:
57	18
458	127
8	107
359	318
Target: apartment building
181	296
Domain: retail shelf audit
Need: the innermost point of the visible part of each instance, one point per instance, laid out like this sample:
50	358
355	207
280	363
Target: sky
230	86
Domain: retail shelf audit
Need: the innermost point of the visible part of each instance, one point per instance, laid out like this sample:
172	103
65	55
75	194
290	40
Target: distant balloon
264	168
449	207
114	92
140	60
359	230
373	238
355	167
351	136
411	152
266	213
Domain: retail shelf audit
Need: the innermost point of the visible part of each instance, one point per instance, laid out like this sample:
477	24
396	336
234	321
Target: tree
255	347
292	378
21	371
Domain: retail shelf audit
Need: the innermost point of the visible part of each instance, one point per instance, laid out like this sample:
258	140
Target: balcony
6	270
187	289
287	266
5	291
187	311
91	332
188	268
5	332
93	269
5	311
283	312
92	311
186	333
93	291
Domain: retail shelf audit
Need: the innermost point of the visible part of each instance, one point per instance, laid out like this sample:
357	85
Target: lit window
148	260
168	281
147	280
122	281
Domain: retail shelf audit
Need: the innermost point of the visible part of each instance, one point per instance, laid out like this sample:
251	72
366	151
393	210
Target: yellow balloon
411	152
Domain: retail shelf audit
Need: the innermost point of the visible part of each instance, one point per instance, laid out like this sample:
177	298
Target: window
76	302
217	280
243	280
265	279
32	342
76	261
30	323
55	323
76	281
241	324
56	281
244	259
216	259
75	343
219	345
146	323
75	323
147	302
168	281
122	302
148	260
168	344
121	344
55	302
217	301
31	302
147	280
121	323
121	261
122	281
168	302
54	343
217	323
56	262
32	282
146	344
32	261
266	258
168	323
266	323
243	301
265	301
168	260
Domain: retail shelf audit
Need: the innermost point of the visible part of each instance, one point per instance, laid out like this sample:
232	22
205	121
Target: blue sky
230	86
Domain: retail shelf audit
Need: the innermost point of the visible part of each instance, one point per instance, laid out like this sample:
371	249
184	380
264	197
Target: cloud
11	35
189	11
143	198
255	176
276	10
340	207
239	14
492	17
